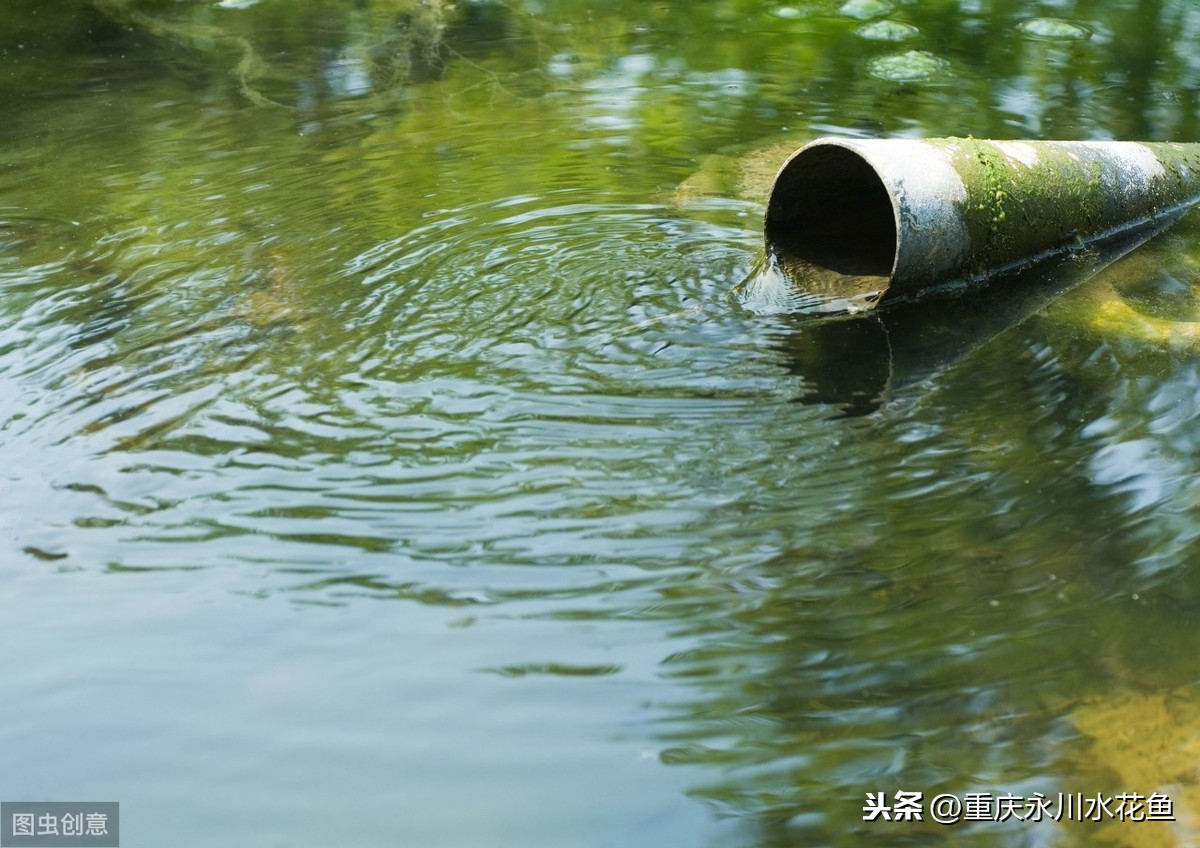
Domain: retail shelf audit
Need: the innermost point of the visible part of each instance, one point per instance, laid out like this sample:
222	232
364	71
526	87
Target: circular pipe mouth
830	209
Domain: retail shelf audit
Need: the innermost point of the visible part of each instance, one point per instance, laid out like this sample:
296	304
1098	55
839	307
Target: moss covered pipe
910	215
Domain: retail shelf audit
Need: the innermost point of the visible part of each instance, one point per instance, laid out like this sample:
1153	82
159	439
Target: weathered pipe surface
868	218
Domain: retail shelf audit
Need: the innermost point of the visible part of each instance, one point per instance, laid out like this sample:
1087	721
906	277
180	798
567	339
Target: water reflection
408	435
789	680
862	360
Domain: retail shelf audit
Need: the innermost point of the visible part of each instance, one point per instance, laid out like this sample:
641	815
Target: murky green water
383	460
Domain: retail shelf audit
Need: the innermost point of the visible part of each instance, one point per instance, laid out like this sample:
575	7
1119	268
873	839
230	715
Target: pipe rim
850	223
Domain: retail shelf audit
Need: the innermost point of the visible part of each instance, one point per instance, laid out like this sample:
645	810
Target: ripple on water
910	66
1054	29
501	381
529	282
886	30
865	10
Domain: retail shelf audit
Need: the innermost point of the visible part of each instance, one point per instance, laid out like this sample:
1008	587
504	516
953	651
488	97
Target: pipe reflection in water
862	360
928	213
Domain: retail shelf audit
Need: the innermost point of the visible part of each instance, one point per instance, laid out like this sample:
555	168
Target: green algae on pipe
864	219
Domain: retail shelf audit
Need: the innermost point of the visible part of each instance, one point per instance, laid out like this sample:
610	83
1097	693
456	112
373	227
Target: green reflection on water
430	305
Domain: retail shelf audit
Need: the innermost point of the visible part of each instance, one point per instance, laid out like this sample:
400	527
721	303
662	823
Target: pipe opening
830	213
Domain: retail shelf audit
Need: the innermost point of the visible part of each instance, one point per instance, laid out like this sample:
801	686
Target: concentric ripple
1054	29
502	377
886	30
865	10
910	66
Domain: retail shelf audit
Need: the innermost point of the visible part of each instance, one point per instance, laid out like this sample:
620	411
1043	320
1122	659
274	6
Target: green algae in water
886	30
1162	295
910	66
1054	29
864	10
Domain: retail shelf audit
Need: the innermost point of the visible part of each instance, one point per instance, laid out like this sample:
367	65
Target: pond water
386	460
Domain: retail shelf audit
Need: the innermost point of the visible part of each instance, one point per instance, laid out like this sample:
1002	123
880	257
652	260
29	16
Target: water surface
385	459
